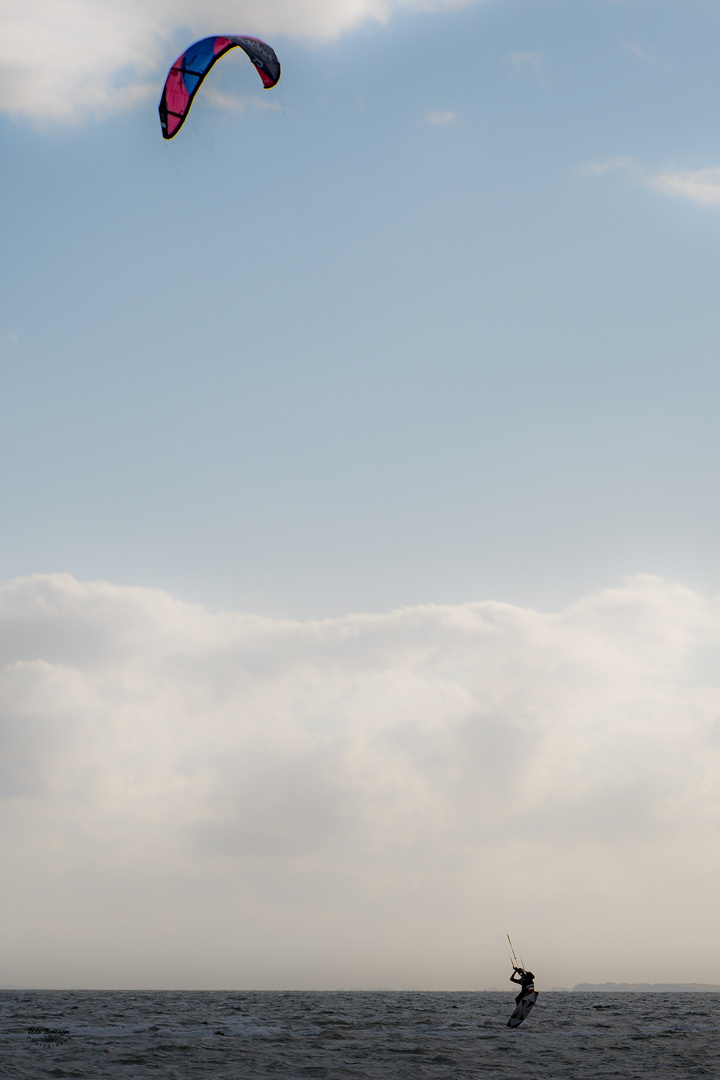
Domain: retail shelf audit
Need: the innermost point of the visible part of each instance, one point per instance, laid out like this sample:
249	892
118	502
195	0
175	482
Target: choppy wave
230	1036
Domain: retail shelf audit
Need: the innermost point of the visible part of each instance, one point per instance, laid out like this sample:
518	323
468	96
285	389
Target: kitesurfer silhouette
526	980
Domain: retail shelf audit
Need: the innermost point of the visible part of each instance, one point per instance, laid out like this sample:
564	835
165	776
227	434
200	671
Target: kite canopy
187	73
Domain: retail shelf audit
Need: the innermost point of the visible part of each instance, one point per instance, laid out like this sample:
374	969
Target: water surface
419	1036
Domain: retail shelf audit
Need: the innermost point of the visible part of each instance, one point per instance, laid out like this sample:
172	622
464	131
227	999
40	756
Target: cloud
67	59
610	164
647	56
170	775
701	186
524	63
440	117
233	103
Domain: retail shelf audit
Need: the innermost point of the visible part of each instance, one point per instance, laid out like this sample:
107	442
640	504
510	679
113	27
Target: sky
361	599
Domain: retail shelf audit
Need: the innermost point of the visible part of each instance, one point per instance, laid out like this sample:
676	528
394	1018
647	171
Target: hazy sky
359	500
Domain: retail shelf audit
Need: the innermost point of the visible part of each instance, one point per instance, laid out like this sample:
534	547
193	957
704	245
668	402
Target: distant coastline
596	988
655	988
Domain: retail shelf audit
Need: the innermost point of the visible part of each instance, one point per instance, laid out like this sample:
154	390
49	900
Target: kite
187	73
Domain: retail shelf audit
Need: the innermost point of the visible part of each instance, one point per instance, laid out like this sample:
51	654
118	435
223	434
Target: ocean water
225	1036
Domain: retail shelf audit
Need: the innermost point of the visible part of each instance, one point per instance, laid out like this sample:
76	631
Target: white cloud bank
197	799
66	59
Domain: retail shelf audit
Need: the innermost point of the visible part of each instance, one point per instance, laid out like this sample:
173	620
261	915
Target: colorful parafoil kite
187	73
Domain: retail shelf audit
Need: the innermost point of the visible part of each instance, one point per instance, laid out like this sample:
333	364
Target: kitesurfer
526	979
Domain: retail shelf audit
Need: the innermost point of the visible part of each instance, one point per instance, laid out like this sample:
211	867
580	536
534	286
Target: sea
149	1035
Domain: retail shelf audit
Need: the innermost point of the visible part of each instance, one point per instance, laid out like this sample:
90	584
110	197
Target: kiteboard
522	1009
